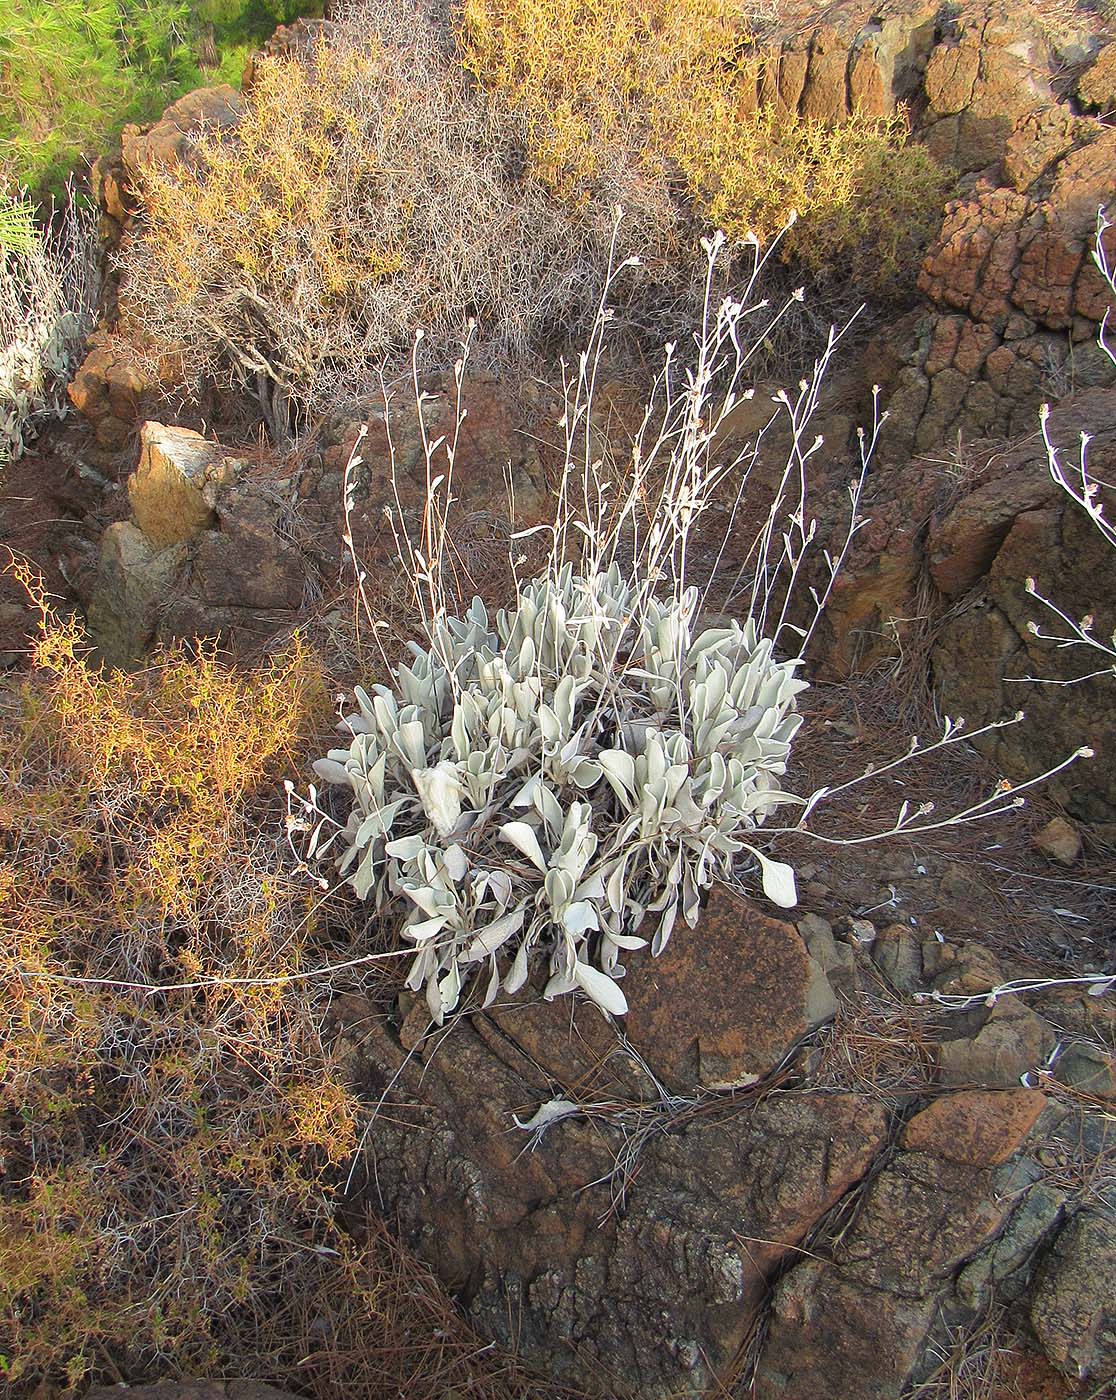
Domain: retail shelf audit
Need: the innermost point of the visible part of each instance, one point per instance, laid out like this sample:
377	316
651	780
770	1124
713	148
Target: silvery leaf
600	988
406	847
579	917
778	880
330	771
523	838
517	973
439	789
494	936
552	1112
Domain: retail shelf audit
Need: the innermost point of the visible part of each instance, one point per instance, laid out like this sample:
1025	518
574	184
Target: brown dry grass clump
411	171
366	191
173	1116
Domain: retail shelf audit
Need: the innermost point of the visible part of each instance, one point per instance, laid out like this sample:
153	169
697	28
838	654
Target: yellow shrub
149	1130
670	86
278	202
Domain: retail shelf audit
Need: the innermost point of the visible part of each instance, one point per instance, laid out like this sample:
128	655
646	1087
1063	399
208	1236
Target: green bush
72	72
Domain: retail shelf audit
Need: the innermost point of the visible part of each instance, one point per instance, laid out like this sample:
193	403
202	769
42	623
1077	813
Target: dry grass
672	87
878	1046
174	1115
366	191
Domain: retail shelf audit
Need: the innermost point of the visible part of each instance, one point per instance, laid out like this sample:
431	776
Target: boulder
725	1001
496	463
173	139
980	1128
865	1320
206	554
1088	1069
627	1265
173	489
109	389
1014	1041
1073	1308
989	660
1059	840
135	583
1096	88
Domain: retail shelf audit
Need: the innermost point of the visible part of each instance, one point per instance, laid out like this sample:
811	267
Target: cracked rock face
645	1286
653	1237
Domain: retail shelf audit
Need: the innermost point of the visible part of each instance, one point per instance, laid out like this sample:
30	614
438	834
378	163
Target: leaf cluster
544	785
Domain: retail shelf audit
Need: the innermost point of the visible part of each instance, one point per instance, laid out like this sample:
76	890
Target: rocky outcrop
204	554
967	72
1014	297
1017	527
112	388
634	1232
288	41
173	139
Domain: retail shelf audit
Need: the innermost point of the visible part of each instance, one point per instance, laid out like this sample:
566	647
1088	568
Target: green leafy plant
72	72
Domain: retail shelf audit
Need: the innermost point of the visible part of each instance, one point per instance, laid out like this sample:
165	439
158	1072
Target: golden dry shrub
366	191
176	1118
168	1098
670	87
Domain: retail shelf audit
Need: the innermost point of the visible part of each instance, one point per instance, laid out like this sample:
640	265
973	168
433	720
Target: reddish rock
173	139
824	95
1073	1310
109	389
653	1299
963	545
977	1128
1096	88
726	1000
830	1337
1059	840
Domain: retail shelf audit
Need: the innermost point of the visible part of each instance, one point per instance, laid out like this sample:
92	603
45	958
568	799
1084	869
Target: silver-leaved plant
557	784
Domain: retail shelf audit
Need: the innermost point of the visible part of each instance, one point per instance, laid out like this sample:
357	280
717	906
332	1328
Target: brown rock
496	444
1088	1069
1059	840
964	544
792	77
1096	88
824	96
134	578
975	1128
173	489
898	955
831	1337
289	41
725	1001
108	390
174	137
652	1300
860	1323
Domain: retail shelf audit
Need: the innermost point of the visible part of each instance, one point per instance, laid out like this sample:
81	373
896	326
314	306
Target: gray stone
897	953
1087	1068
1012	1042
1073	1308
135	580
